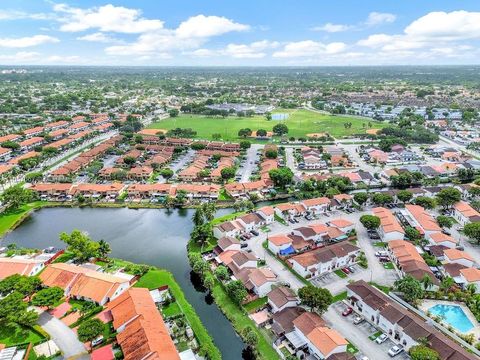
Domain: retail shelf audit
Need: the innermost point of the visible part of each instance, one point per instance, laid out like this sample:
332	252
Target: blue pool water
280	116
452	315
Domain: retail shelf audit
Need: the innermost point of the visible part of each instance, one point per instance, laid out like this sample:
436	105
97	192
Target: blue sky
247	32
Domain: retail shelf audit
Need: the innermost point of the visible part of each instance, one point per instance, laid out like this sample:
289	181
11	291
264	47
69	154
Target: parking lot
359	334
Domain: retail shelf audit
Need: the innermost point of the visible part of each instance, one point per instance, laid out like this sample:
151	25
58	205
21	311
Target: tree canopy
318	299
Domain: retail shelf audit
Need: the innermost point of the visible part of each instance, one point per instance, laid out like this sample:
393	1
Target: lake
150	236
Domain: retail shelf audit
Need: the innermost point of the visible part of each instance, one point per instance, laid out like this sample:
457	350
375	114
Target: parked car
347	311
395	350
446	232
381	254
243	246
383	259
346	271
374	236
381	339
97	341
255	232
358	319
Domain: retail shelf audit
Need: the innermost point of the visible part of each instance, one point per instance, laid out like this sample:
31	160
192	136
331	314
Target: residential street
375	272
63	336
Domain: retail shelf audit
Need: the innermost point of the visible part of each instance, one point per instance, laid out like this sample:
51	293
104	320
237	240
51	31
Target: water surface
150	236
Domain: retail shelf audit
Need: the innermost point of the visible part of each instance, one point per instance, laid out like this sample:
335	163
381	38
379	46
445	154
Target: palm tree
209	210
471	289
198	217
426	281
103	248
446	284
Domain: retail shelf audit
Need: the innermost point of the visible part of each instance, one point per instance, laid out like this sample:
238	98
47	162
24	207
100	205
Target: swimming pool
280	116
452	315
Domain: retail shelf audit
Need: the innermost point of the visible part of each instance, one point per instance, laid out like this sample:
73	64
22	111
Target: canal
150	236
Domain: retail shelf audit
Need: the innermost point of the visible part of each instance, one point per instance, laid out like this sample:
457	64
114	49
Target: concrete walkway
63	336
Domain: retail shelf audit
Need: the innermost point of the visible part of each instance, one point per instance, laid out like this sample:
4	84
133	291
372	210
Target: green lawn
340	296
156	278
255	304
171	309
16	335
300	123
388	266
340	274
9	219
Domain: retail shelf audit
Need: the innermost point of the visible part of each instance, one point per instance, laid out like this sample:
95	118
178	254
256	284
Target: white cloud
107	18
27	41
455	25
97	37
332	28
202	26
254	50
61	59
20	57
190	34
377	18
309	48
428	34
17	15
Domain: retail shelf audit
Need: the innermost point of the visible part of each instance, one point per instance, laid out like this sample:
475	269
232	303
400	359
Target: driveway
63	336
358	334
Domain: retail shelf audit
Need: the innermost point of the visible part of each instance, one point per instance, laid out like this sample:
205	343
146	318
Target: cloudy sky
246	32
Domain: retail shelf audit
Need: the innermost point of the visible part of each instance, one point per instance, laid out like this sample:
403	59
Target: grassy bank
11	219
156	278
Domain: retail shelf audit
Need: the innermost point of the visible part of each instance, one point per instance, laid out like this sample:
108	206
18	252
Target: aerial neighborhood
239	180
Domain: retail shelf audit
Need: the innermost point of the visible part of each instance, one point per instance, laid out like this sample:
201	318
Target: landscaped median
156	278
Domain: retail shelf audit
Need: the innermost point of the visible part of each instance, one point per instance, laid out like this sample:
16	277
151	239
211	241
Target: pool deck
427	304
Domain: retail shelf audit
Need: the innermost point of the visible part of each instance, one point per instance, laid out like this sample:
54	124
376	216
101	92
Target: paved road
181	162
246	170
63	336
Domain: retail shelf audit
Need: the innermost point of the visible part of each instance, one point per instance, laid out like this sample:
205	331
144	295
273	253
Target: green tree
426	281
198	218
412	233
280	129
245	144
271	154
448	196
410	287
216	136
166	173
228	173
446	284
244	132
422	352
382	199
90	329
261	132
472	230
318	299
103	249
445	221
25	285
209	281
404	196
173	112
360	198
281	177
221	272
370	222
80	244
426	202
249	336
48	297
15	196
236	291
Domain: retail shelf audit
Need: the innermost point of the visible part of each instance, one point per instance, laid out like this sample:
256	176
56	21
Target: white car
381	339
395	350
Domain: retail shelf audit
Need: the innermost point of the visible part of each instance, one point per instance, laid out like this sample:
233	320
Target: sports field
300	123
